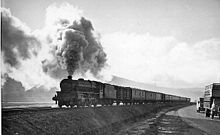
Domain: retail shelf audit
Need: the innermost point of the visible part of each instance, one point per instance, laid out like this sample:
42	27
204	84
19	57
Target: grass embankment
83	121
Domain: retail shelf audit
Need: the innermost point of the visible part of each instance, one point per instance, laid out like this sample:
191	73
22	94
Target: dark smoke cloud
71	52
53	69
16	43
62	47
77	49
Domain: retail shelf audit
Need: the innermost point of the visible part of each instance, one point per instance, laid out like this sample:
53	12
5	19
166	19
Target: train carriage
123	94
188	99
174	98
119	93
158	97
128	94
183	99
138	96
109	94
150	96
167	98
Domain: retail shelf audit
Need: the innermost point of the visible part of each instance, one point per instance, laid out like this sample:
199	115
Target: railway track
26	109
48	108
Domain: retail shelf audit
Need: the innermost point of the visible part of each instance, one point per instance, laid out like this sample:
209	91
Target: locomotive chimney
69	77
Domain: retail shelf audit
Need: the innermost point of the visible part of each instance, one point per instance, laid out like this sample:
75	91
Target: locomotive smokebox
69	77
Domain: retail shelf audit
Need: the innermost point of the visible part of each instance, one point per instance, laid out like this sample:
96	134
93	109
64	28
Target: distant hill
193	93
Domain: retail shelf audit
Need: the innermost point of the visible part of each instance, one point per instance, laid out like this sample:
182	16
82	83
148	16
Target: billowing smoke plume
66	45
17	43
76	49
71	51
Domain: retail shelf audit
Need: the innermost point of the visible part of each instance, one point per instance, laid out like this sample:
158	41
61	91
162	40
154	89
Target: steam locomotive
86	93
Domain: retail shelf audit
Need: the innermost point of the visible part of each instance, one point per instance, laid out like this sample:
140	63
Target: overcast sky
174	43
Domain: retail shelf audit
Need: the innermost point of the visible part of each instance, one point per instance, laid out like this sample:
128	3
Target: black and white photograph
110	67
